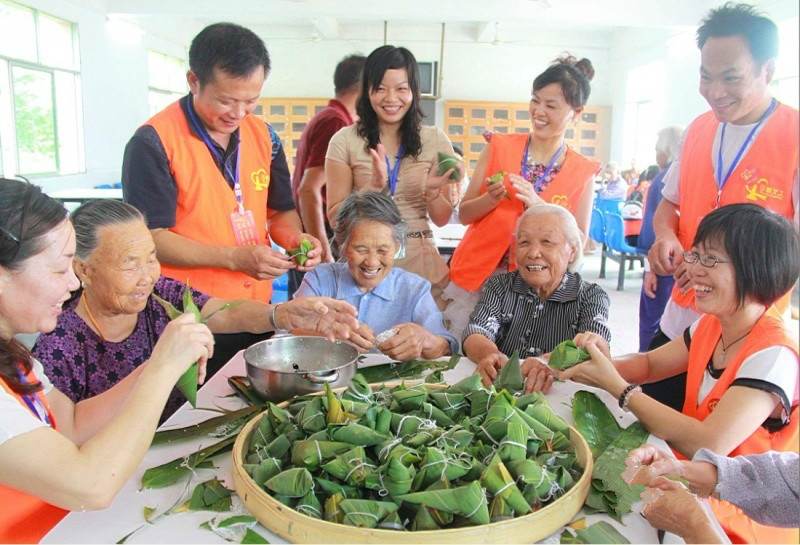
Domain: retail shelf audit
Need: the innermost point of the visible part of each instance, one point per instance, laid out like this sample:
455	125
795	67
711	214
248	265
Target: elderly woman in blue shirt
397	312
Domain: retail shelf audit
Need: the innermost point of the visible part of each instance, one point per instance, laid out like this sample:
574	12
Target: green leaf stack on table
414	457
610	445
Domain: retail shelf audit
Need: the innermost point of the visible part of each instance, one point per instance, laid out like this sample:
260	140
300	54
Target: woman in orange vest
740	357
516	171
389	150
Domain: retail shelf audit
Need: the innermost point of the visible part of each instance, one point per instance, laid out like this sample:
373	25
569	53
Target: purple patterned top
81	364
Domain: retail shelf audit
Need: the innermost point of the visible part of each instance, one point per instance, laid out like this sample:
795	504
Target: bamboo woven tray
298	528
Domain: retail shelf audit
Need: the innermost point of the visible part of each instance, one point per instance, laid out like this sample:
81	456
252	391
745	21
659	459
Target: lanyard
393	172
33	402
237	188
547	169
722	181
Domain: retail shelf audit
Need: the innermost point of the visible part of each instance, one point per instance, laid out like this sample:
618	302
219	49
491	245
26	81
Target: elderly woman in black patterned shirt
539	305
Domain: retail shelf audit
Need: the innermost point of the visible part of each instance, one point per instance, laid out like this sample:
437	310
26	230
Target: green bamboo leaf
189	304
241	387
567	354
172	312
510	376
446	162
594	421
611	464
148	512
219	426
253	537
223	308
171	472
599	532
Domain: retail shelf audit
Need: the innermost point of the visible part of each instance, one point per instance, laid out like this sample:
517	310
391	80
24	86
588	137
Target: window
644	107
785	85
167	81
41	131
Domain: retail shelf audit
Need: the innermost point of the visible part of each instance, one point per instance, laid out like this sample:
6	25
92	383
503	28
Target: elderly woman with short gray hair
541	304
109	328
398	313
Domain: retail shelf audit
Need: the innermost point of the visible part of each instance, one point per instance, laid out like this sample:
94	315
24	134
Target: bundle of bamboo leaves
610	445
413	457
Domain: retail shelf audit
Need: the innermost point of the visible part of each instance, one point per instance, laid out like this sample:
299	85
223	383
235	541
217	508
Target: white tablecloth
127	511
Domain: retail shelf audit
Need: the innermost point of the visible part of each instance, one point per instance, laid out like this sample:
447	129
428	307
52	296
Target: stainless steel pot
284	367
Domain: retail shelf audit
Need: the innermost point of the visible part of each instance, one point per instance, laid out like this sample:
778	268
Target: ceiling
479	21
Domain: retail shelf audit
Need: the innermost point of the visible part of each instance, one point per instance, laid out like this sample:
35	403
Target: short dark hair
27	216
741	20
763	246
347	76
573	75
389	57
235	50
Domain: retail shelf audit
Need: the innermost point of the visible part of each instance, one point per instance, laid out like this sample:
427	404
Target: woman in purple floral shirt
110	326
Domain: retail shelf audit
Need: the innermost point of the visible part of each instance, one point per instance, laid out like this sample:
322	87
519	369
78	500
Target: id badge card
244	228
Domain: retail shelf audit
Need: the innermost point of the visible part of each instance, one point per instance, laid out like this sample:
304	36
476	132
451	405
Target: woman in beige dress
389	150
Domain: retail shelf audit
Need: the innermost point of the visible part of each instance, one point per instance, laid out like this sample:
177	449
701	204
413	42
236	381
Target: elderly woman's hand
334	319
489	366
363	338
524	189
650	466
183	342
411	342
674	509
598	371
538	375
587	337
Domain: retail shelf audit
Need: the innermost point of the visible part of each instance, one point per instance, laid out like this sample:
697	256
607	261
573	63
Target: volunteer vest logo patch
712	405
260	179
560	200
758	189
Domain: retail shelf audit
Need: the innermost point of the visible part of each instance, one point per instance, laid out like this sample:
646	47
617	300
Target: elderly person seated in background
110	327
544	302
370	232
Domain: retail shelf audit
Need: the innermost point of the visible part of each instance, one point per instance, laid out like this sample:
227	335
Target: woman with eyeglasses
740	357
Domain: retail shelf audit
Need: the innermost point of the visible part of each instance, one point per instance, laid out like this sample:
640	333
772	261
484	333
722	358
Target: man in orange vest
212	179
744	150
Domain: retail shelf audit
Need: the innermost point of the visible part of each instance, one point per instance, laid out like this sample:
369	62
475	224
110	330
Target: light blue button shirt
400	298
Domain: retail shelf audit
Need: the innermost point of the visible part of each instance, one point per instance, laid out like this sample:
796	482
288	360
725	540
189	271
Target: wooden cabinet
465	122
289	116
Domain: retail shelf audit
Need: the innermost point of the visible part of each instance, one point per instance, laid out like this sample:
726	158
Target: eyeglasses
705	260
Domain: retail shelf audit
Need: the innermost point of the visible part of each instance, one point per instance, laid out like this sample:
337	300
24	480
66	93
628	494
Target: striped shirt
510	314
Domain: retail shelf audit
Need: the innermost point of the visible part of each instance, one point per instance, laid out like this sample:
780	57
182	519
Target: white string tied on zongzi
355	393
319	451
509	415
360	463
555	488
513	444
507	485
450	403
382	492
354	513
391	526
543	476
486	433
480	503
403	419
309	510
428	424
430	411
224	430
304	421
384	452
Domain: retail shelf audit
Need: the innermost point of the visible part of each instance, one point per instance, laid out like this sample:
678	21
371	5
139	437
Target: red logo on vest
712	405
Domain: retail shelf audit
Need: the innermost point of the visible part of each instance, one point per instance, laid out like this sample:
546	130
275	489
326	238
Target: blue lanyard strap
237	188
547	169
33	402
393	172
722	181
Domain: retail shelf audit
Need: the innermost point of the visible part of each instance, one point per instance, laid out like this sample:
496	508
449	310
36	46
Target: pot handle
321	379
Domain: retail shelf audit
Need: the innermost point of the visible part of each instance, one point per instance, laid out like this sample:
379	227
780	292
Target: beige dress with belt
421	257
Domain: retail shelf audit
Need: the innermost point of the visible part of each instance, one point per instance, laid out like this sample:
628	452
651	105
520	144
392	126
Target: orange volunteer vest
25	518
205	200
487	240
769	331
764	176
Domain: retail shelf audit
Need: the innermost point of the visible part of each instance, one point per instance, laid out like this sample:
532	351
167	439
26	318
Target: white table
448	236
126	512
82	194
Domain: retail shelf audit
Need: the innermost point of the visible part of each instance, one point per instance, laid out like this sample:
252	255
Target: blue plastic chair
280	289
597	230
606	206
617	249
